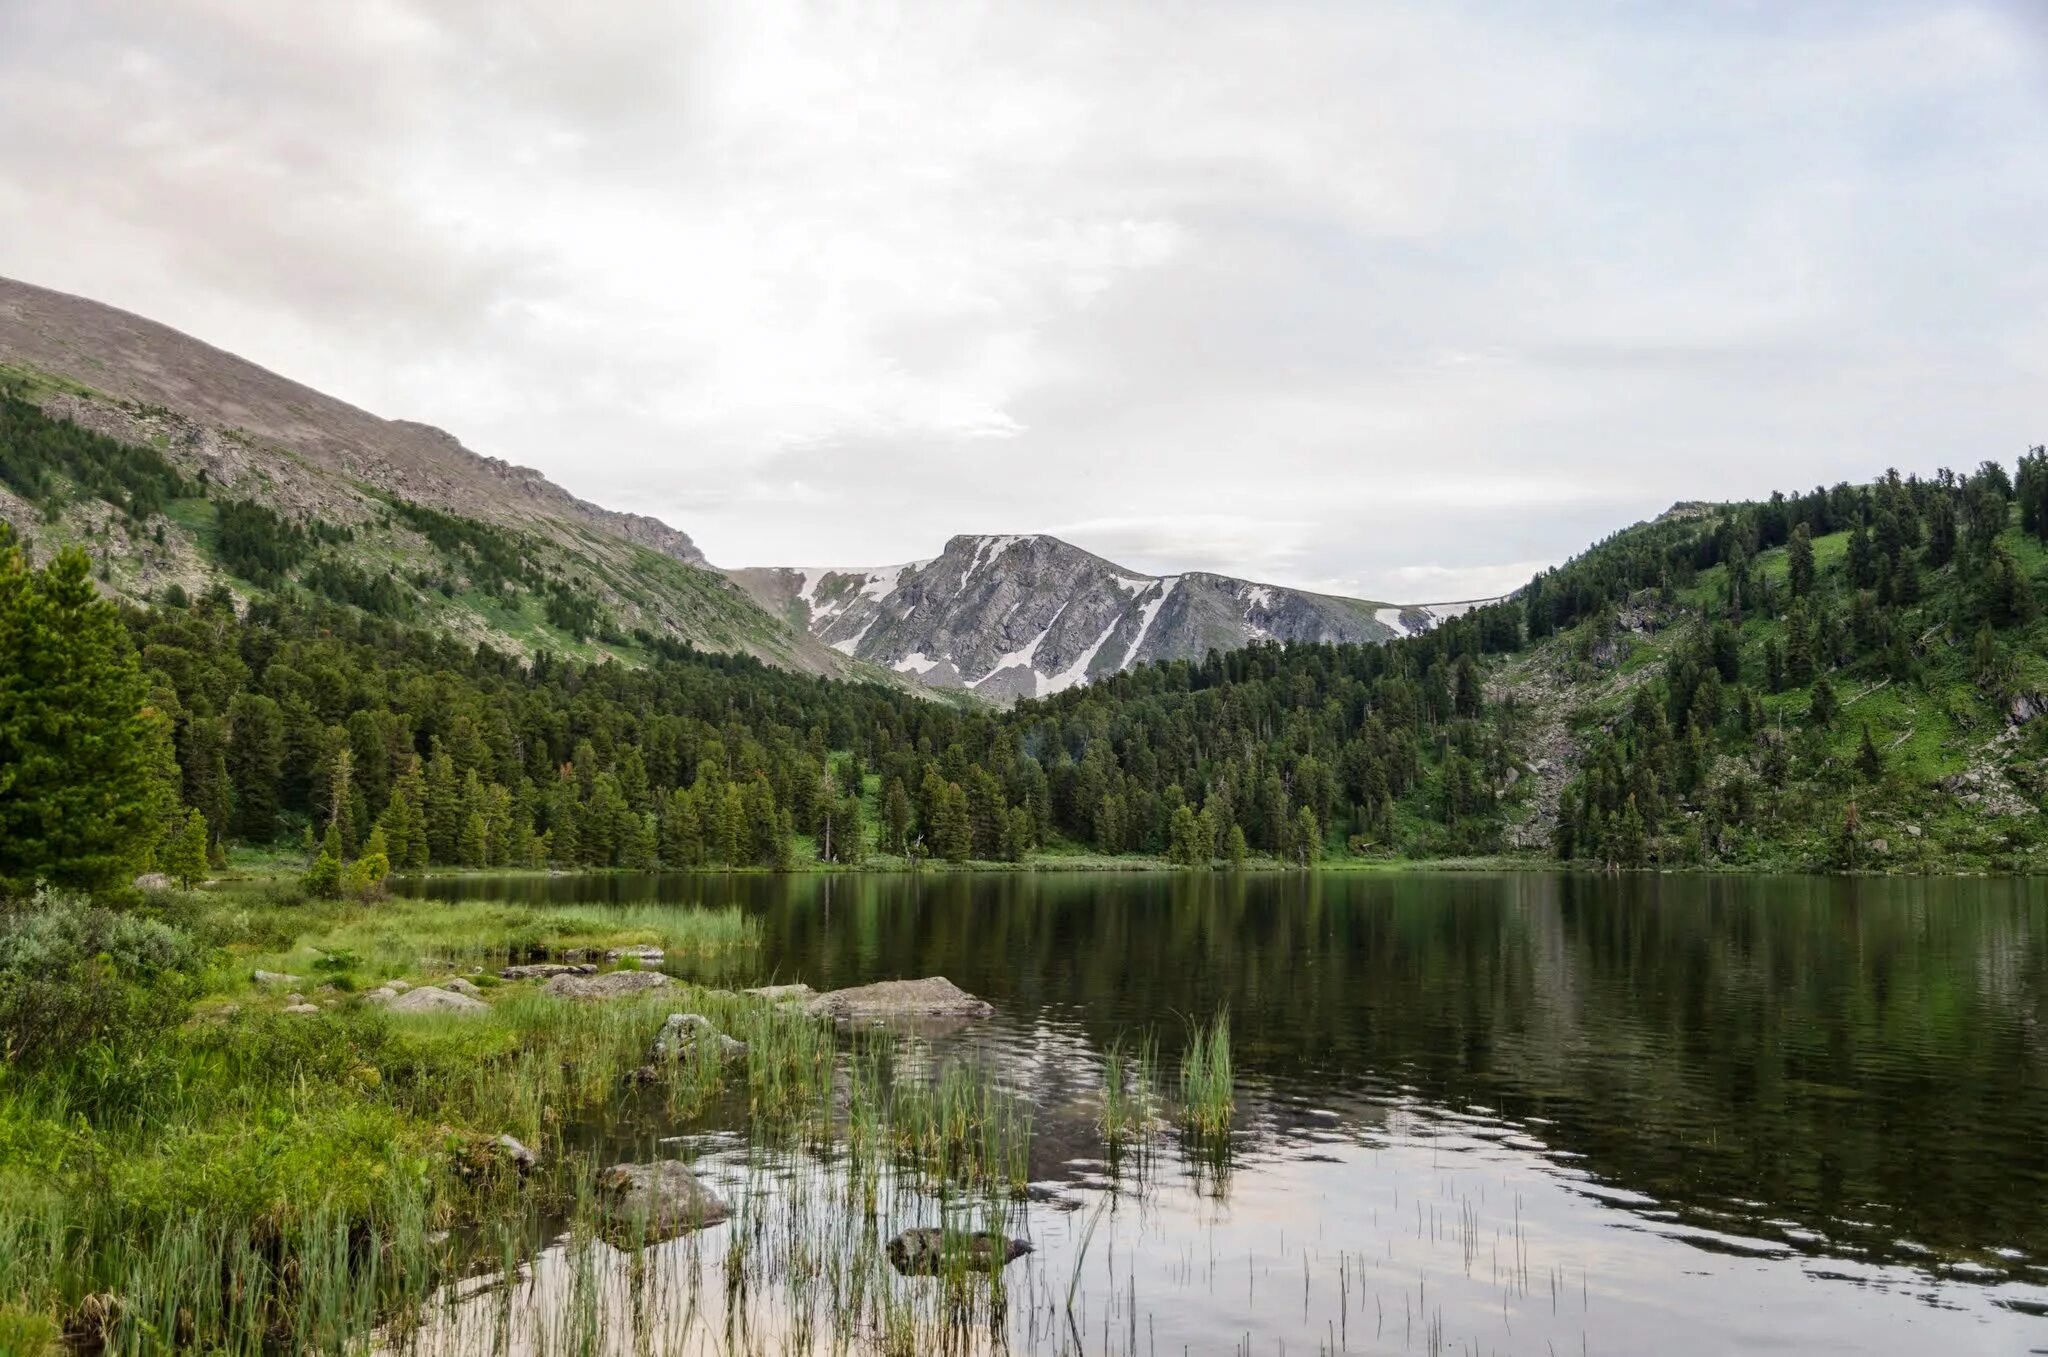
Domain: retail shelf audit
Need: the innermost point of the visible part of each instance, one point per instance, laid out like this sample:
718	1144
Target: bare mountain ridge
129	358
1027	615
261	437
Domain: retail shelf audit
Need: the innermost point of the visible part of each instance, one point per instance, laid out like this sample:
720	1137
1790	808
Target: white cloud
1315	293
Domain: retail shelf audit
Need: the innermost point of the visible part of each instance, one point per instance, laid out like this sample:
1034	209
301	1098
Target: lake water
1501	1113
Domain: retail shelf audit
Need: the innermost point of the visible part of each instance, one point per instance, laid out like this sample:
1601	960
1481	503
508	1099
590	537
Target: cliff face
1025	616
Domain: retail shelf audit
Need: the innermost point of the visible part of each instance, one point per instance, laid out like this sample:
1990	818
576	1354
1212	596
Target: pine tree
953	833
1182	849
895	817
1234	847
442	806
1308	838
184	859
322	880
405	822
255	760
473	844
1821	708
1799	557
77	785
682	831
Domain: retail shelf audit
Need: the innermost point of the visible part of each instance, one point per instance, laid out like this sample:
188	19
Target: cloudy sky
1396	299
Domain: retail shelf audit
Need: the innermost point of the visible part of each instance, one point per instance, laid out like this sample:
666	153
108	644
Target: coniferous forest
1790	681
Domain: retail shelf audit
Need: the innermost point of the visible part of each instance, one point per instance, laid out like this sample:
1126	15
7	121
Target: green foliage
88	986
78	784
40	455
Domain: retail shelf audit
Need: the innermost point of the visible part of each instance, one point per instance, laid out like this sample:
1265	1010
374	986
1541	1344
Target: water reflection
1767	1070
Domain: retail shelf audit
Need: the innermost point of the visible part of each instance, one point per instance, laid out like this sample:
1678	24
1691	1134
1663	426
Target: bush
92	988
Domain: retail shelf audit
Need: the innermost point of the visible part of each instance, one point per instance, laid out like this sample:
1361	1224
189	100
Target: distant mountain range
527	565
1011	617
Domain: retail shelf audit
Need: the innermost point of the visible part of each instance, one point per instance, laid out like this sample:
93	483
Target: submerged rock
926	1251
646	956
428	999
683	1032
647	1203
933	997
543	970
477	1155
610	985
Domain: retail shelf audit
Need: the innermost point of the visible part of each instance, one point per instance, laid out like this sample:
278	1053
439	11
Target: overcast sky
1402	300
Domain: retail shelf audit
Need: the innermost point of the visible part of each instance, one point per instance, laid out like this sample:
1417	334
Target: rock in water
777	994
932	997
646	956
682	1032
427	999
542	970
925	1252
647	1203
610	985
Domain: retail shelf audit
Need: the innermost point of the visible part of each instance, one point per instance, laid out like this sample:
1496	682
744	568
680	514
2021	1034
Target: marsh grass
1130	1099
306	1183
1208	1092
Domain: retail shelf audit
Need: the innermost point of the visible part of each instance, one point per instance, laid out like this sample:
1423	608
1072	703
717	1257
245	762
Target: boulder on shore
680	1035
428	999
933	997
924	1252
610	985
545	970
647	1203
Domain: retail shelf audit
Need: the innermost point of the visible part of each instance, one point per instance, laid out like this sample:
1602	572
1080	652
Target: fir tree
256	764
184	859
1869	760
1799	559
77	785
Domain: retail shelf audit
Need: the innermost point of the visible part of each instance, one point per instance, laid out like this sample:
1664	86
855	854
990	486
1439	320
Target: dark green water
1711	1114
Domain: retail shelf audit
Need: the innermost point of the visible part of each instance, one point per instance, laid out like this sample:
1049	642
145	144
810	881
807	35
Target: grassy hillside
168	508
1670	725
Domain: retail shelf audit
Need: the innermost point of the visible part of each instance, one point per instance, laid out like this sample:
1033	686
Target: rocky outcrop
1027	616
684	1033
610	985
647	1203
926	1252
543	970
933	997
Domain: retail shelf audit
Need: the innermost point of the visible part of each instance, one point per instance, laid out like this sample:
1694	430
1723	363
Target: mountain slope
1014	617
395	510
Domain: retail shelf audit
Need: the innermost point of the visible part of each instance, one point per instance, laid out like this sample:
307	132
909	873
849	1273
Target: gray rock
610	985
152	882
301	1008
428	999
381	994
544	970
276	978
646	956
461	986
647	1203
777	994
925	1252
681	1034
399	985
933	997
